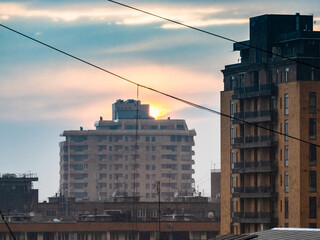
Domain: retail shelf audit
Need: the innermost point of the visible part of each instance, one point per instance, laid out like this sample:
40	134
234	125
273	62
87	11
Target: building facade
270	179
130	155
17	193
215	183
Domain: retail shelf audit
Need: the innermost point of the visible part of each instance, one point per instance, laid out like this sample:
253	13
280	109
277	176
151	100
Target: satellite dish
176	194
210	214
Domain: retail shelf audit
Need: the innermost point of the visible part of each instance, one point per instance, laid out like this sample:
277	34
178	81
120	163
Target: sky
43	93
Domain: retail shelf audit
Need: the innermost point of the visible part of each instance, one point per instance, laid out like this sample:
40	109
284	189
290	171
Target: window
185	167
312	207
180	127
286	156
153	139
312	155
232	159
287	74
286	207
312	128
147	139
185	148
241	78
312	102
231	110
233	83
286	182
286	104
231	183
232	134
80	148
312	181
286	129
312	225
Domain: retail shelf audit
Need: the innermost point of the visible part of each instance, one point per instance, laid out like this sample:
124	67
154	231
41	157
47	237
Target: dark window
232	134
231	110
286	104
286	182
312	207
232	159
312	155
286	129
233	83
312	181
231	183
286	207
286	156
287	75
312	102
312	128
312	225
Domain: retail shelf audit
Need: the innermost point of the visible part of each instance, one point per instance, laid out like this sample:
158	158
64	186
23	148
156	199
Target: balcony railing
254	91
252	164
253	141
260	189
253	214
250	167
255	116
254	217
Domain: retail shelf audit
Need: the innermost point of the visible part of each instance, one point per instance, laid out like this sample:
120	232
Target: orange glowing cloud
85	93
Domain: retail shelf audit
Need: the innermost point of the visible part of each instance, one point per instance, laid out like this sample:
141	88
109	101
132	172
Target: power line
8	227
158	91
214	34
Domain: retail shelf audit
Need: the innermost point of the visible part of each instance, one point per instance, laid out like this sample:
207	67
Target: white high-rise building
128	155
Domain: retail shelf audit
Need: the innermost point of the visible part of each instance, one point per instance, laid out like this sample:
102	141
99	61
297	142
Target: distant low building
16	192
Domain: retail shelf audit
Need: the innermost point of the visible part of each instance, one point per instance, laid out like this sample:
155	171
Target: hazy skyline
44	92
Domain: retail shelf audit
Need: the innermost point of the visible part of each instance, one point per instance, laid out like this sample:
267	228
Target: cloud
193	14
73	93
206	23
165	42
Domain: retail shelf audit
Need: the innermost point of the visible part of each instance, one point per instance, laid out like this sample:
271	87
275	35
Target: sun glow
157	112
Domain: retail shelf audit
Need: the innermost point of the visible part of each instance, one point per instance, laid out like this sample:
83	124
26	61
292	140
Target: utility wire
160	92
8	227
214	34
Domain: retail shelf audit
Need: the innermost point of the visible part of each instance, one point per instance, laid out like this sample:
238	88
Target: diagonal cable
214	34
158	91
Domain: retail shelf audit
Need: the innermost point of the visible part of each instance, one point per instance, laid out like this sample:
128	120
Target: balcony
253	217
255	91
253	117
254	141
254	192
252	167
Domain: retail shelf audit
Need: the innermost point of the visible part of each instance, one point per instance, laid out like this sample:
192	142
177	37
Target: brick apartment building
268	179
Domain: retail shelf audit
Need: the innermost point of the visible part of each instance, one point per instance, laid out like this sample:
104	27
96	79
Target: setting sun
157	112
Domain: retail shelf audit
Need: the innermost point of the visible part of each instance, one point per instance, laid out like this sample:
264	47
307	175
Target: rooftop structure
17	193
